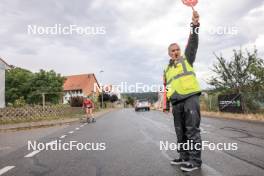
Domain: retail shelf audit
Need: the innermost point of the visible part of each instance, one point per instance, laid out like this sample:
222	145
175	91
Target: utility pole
210	103
102	94
43	100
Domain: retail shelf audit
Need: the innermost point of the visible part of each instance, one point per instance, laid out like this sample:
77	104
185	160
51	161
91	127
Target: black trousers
187	122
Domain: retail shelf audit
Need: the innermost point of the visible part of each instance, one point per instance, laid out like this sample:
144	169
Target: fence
209	103
35	113
252	102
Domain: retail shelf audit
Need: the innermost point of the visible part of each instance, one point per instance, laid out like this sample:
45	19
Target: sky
133	45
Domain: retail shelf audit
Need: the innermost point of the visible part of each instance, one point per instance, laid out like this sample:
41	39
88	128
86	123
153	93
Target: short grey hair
171	46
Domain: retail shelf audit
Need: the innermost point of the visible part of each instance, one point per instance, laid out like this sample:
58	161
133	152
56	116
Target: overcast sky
137	34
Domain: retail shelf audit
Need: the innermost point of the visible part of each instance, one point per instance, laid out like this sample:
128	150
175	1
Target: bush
113	98
251	102
76	101
209	102
20	102
106	97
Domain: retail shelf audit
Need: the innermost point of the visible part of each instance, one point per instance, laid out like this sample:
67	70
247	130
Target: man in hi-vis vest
183	93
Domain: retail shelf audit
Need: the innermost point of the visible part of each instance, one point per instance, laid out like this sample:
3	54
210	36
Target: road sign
190	3
230	103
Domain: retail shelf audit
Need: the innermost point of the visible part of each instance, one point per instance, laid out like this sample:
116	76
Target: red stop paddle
190	3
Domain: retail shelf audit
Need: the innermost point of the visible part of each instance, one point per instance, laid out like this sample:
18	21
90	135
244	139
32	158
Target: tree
244	74
17	84
22	84
150	96
48	82
106	97
130	101
113	98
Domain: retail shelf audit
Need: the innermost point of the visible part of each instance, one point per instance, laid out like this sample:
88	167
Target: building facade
80	85
3	67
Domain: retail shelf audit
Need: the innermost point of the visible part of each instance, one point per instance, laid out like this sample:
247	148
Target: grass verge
250	117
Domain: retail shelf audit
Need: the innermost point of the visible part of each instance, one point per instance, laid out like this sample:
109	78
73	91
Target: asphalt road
132	147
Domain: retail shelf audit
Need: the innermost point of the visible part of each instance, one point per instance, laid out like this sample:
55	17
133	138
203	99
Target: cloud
134	48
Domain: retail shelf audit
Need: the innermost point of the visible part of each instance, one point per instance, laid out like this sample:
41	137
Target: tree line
25	87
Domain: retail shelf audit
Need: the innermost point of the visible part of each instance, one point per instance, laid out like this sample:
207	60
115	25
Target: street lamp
102	94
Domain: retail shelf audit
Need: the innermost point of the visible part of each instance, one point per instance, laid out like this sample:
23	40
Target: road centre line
32	154
5	169
63	136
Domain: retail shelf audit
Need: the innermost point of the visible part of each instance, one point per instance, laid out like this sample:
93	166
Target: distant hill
151	96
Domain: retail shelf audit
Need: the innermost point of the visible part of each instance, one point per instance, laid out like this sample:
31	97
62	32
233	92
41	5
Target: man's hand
195	18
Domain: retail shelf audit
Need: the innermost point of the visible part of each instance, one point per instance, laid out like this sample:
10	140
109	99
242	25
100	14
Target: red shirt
87	103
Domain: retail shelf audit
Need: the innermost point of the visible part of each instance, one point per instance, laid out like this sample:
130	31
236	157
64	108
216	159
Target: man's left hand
195	18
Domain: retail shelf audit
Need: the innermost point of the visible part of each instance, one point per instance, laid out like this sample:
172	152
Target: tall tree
48	82
17	84
243	73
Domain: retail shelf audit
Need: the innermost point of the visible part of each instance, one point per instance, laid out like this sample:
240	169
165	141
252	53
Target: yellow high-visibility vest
181	80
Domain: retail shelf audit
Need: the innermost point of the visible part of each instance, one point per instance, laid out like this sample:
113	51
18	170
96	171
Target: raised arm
192	45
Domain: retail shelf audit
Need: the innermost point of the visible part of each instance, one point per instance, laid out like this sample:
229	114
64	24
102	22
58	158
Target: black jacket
190	51
192	45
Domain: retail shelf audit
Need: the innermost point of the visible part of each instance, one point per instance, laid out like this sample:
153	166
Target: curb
41	124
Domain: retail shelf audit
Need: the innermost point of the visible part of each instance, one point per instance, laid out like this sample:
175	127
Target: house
80	85
3	66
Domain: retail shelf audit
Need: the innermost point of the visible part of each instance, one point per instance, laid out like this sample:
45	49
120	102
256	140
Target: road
132	147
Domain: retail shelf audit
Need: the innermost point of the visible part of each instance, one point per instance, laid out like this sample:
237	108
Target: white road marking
77	128
81	126
203	131
71	132
5	169
51	142
63	136
32	154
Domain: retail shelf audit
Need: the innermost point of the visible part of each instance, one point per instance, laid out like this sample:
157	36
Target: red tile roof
84	82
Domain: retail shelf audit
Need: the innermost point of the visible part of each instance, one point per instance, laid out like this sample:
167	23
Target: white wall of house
2	85
71	93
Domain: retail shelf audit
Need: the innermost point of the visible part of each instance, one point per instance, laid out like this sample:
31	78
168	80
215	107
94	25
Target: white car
142	105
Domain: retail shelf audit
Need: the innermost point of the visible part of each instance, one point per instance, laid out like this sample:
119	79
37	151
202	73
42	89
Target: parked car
142	105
